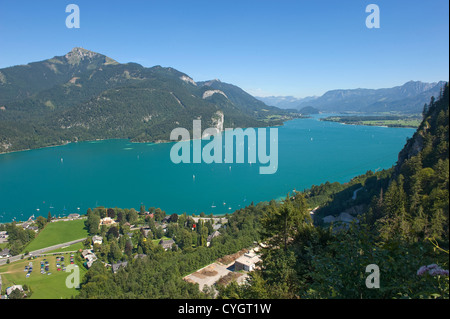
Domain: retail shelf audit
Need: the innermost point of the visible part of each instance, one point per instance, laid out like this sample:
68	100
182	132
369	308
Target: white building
107	221
5	253
97	240
9	290
246	262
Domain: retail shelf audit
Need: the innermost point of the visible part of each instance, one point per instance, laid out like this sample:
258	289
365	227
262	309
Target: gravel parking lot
208	275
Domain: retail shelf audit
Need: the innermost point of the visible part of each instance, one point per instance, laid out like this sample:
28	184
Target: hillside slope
85	95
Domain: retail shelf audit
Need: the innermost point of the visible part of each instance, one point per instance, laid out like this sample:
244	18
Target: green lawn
57	233
156	241
403	123
43	286
412	122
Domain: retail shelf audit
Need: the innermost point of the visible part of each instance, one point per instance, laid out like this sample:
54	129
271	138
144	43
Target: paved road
356	192
40	251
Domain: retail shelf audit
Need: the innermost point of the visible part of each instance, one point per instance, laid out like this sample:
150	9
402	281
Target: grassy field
58	232
399	123
388	120
43	286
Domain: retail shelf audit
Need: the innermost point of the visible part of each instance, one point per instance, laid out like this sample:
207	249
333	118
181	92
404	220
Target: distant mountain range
285	102
407	98
85	95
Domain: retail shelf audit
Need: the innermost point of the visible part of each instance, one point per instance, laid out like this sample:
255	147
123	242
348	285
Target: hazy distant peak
409	97
421	86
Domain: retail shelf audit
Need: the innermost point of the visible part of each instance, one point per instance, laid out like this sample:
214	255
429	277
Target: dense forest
19	236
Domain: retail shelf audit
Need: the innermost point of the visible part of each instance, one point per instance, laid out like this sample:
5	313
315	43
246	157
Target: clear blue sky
281	47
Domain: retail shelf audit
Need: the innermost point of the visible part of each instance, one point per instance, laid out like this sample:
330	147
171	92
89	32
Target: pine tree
437	222
420	224
396	221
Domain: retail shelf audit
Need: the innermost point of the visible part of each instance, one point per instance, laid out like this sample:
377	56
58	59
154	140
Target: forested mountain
85	95
19	82
416	204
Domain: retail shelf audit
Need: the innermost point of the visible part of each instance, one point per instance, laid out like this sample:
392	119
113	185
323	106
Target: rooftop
248	259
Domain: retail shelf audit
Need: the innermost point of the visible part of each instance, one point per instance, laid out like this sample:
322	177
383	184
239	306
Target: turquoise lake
116	173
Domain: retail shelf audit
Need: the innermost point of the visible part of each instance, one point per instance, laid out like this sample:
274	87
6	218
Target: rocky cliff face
412	148
427	132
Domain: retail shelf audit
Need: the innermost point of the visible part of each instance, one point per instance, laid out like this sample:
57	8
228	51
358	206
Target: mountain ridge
407	98
84	95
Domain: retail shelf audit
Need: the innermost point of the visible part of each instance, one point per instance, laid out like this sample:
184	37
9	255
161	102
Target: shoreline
278	196
374	125
129	140
84	216
83	141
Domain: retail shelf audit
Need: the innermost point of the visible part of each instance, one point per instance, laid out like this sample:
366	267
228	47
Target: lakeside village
116	236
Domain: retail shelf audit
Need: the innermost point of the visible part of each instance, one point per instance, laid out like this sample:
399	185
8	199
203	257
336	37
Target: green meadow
57	233
395	123
379	120
43	286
